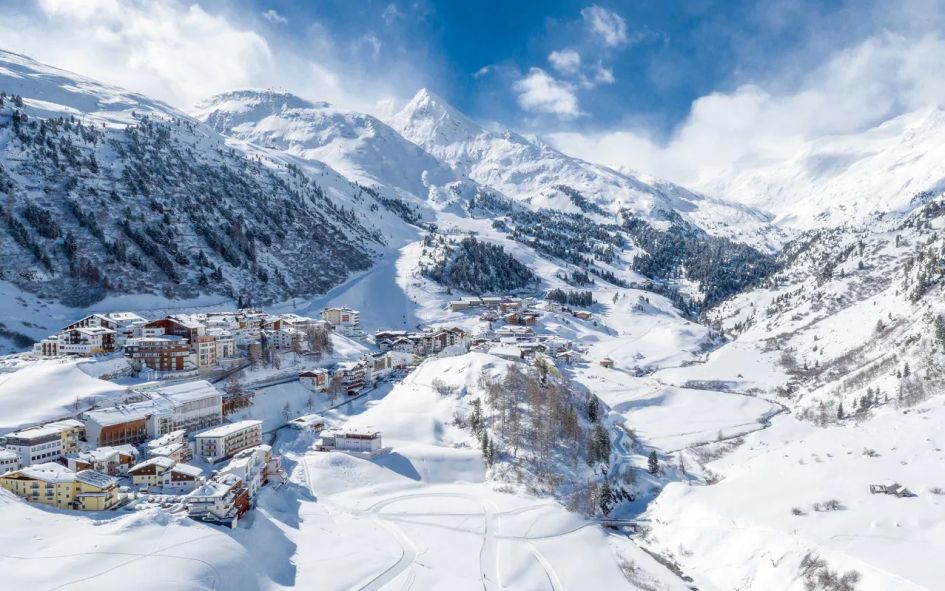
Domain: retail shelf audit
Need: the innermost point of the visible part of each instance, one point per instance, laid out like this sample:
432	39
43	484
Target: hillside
531	172
109	193
838	179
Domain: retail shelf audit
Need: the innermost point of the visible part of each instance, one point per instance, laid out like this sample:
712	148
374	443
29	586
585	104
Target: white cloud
541	93
566	61
483	71
163	48
391	14
274	17
608	25
766	122
177	51
604	75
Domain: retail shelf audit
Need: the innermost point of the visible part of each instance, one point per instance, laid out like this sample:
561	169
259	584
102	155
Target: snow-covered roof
228	429
505	351
96	478
120	414
34	433
218	486
187	469
100	454
161	461
124	317
188	391
172	437
166	450
48	472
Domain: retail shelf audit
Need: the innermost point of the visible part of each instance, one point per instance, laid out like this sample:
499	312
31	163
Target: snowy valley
465	359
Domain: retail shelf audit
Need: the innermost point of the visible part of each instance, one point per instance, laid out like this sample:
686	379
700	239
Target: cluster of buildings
432	341
503	304
352	376
180	345
78	463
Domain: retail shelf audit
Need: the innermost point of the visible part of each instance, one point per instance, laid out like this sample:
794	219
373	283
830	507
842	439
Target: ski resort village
252	340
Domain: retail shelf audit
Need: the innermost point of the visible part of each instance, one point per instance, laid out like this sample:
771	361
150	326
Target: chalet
252	466
151	472
178	436
82	340
308	423
103	459
606	362
583	314
127	457
179	452
352	375
94	321
182	478
316	380
127	325
113	461
223	499
172	445
183	326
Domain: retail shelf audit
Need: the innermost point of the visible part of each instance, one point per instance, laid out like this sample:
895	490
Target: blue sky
683	89
670	52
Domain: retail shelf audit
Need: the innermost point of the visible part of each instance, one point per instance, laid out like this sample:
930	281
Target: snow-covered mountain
846	178
531	171
361	147
50	92
111	193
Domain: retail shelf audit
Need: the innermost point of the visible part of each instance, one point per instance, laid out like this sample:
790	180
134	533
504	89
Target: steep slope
530	171
361	147
51	92
107	192
846	178
850	337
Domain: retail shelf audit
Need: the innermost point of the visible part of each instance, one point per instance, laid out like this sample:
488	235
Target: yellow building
55	485
70	431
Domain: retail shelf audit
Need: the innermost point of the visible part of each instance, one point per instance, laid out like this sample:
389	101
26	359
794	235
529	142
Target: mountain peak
255	100
428	118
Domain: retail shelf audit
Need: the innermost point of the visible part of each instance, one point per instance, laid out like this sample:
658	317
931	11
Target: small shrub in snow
937	490
442	388
829	505
818	576
871	453
797	511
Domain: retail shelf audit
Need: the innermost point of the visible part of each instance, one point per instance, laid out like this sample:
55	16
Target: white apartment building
226	440
344	321
9	460
37	445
